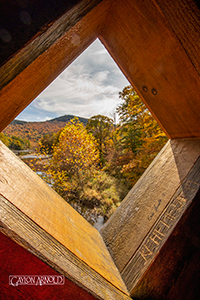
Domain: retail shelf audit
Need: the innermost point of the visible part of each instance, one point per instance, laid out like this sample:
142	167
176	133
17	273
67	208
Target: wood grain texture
39	203
132	221
149	53
28	234
174	273
184	18
15	260
25	19
43	40
146	39
160	232
25	87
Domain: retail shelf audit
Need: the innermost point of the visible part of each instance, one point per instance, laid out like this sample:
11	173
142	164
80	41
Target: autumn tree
74	157
102	129
139	133
5	139
131	112
15	142
48	141
75	174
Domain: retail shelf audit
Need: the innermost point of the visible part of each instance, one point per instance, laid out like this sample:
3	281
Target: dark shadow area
22	19
185	153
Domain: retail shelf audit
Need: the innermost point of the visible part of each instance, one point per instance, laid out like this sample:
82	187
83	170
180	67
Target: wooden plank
17	263
23	89
36	204
145	46
175	270
32	237
43	40
184	18
130	224
149	53
160	232
22	20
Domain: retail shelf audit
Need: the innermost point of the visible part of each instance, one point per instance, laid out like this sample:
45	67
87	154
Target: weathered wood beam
46	37
39	219
153	58
22	20
36	71
151	46
178	254
136	232
184	19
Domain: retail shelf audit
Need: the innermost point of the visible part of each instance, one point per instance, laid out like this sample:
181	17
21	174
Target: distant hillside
33	131
67	118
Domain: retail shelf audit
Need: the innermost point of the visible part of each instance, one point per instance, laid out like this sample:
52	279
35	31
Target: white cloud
89	86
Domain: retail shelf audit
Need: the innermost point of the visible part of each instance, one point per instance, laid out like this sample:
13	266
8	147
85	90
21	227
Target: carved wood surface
35	203
137	215
175	271
160	232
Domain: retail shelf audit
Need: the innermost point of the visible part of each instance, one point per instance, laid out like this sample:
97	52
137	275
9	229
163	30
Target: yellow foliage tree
74	157
74	171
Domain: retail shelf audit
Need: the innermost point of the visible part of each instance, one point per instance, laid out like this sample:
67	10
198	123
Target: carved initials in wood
145	252
167	220
156	236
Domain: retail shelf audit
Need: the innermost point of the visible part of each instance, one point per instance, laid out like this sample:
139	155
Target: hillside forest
92	163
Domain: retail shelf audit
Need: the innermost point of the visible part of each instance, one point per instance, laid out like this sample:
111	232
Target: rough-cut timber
155	47
46	36
174	274
184	18
147	208
150	54
22	20
157	236
45	57
39	219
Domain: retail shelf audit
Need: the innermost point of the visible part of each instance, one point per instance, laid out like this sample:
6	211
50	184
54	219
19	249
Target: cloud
89	86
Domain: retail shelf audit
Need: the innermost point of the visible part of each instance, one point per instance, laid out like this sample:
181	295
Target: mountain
33	131
67	118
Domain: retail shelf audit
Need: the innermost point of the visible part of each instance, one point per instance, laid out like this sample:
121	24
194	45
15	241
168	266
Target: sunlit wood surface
155	43
40	217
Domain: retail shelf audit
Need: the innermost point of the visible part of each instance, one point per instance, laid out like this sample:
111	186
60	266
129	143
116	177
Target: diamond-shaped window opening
89	86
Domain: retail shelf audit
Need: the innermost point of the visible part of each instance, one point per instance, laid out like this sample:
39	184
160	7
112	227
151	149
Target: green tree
5	139
18	143
139	133
15	142
131	113
74	173
102	129
48	141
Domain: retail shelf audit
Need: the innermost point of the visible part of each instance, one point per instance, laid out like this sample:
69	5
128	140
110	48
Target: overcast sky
89	86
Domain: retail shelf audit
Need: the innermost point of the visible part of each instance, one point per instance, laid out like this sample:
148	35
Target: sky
89	86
